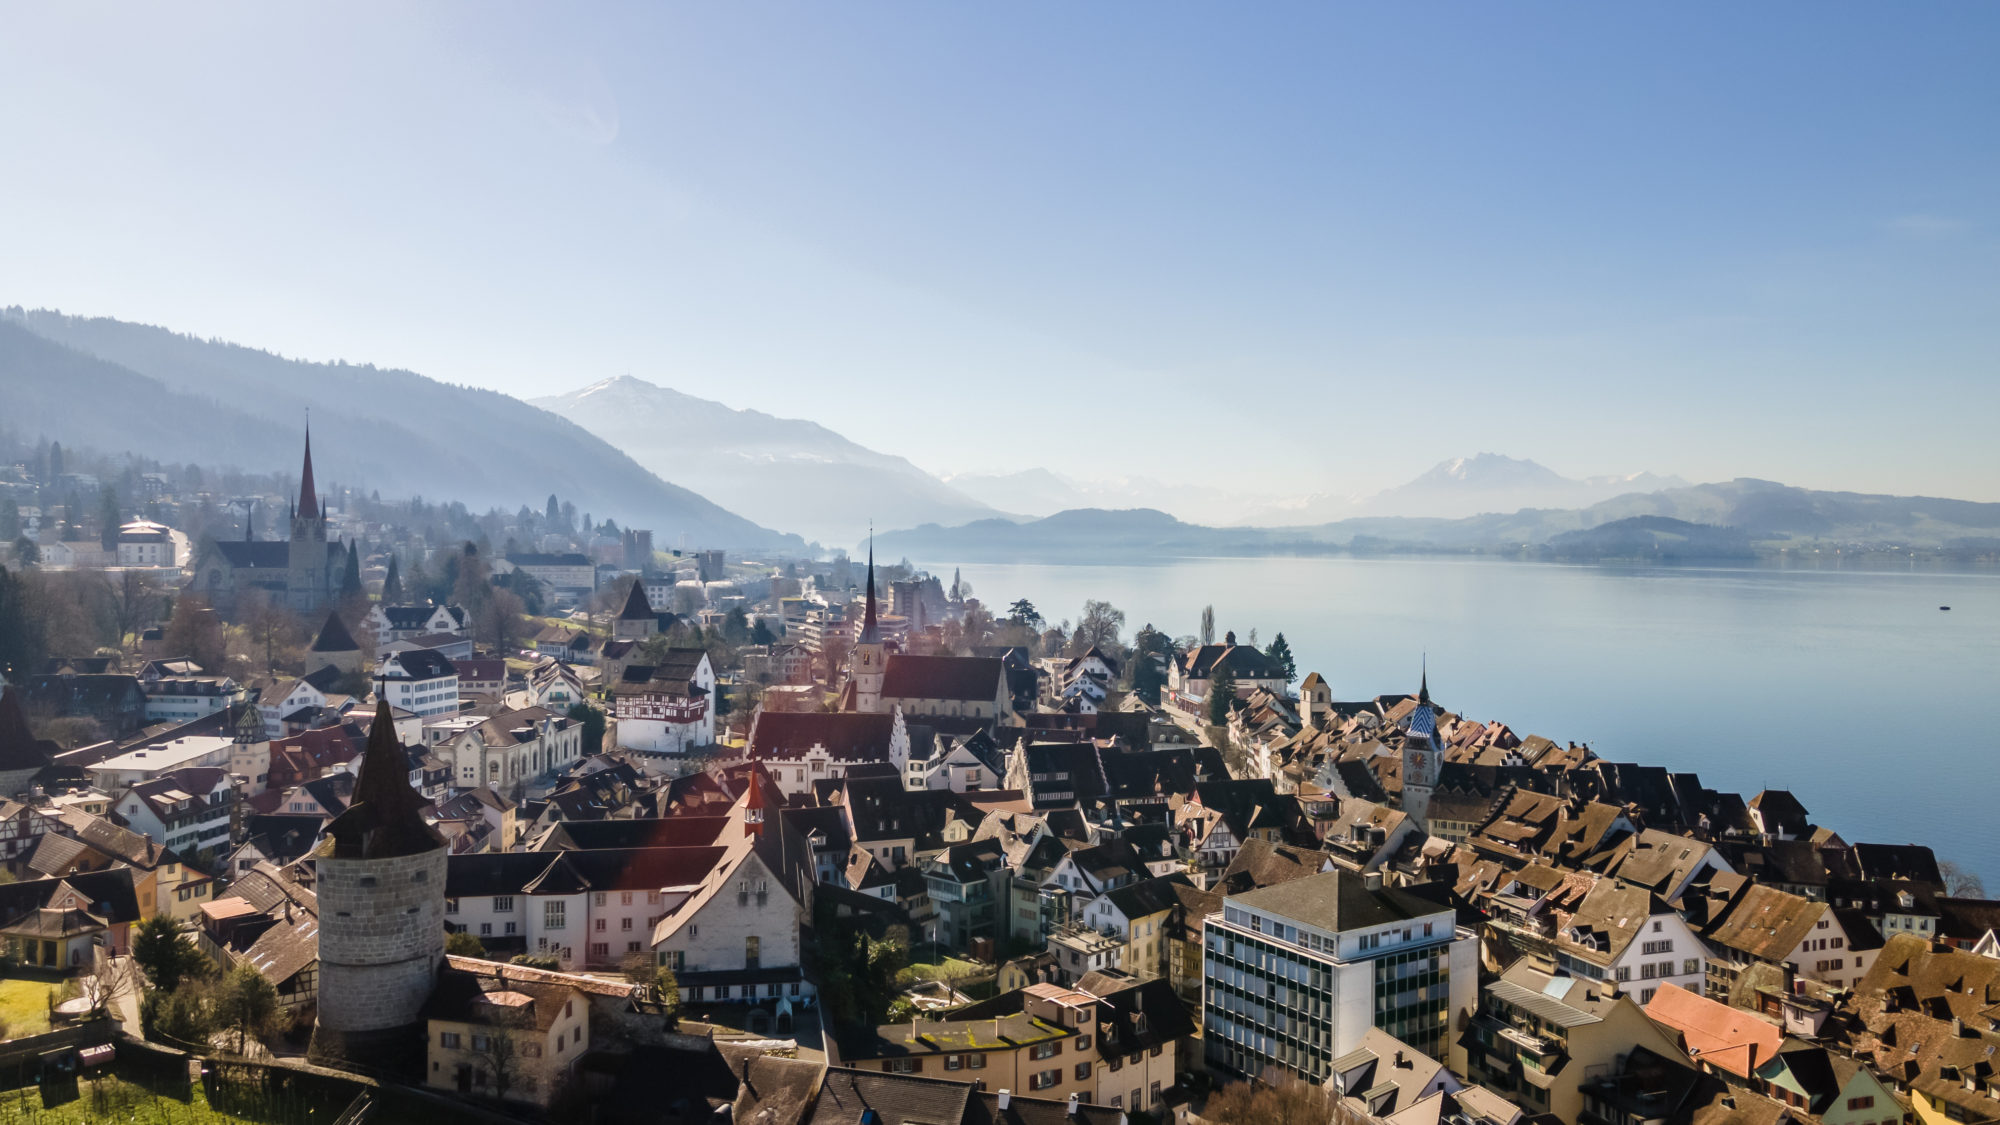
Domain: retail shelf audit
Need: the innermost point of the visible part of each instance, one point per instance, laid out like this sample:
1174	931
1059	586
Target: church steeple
868	630
1424	683
308	506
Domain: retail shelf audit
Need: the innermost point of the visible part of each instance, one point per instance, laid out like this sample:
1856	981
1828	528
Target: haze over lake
1848	687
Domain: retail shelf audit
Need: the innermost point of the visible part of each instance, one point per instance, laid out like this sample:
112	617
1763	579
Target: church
301	573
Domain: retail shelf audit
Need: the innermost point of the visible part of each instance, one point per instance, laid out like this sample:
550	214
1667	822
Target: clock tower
1421	757
869	659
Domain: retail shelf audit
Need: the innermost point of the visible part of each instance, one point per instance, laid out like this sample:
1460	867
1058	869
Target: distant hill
783	472
1652	537
1468	486
1039	492
1732	517
116	385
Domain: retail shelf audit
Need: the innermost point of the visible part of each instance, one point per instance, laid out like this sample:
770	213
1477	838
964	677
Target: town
323	806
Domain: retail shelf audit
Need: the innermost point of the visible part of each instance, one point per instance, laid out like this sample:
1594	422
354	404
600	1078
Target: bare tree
271	626
1097	628
497	1046
104	984
133	601
1960	883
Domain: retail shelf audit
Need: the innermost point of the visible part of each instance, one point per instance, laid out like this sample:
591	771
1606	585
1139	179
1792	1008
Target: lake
1848	687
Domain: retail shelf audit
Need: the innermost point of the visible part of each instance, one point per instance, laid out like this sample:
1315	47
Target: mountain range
1466	486
117	385
781	472
1726	519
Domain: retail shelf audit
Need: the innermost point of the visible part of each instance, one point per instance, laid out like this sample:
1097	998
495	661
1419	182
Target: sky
1316	247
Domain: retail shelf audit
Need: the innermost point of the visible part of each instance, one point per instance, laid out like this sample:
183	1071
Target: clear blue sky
1321	244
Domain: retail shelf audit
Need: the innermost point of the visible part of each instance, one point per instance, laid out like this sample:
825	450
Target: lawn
24	1004
111	1099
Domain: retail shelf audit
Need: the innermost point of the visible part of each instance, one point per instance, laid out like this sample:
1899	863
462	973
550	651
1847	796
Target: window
479	1042
503	904
451	906
485	929
752	951
1691	965
600	950
1864	1102
624	898
952	1062
972	1062
631	947
1044	1050
1083	1042
448	1039
509	928
1044	1080
552	915
625	923
901	1066
600	925
1083	1070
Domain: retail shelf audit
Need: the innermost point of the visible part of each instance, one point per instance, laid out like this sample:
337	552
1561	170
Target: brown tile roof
1767	923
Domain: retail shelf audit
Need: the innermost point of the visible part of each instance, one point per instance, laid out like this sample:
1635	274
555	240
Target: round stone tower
380	879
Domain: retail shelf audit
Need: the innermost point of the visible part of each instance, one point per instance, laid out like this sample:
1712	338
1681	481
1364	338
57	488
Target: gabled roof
637	608
844	734
416	664
1767	923
1339	900
961	678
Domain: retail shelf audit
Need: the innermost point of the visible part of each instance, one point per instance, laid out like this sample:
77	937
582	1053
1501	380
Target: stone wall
381	939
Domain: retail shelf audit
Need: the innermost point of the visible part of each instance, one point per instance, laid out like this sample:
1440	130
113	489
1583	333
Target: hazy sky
1322	246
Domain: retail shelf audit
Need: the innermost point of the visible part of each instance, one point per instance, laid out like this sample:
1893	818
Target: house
1762	929
163	883
1191	673
1925	1016
500	1036
1539	1037
511	748
554	685
963	882
572	572
568	643
1298	972
60	922
22	827
179	692
1048	1040
484	676
190	810
1385	1079
1611	930
1136	915
286	704
799	749
122	771
114	699
665	708
790	664
421	681
269	921
392	623
145	544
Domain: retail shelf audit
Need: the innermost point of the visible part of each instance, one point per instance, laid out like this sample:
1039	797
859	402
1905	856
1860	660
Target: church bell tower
869	658
307	581
1421	758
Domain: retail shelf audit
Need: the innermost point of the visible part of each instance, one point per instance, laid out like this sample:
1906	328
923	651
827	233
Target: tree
26	553
1285	1101
133	602
351	590
1221	693
1150	652
167	955
55	461
667	988
1097	628
195	633
103	985
1960	883
1023	612
592	721
10	518
22	642
392	584
1208	624
246	1004
271	626
761	634
107	518
736	626
461	943
1281	654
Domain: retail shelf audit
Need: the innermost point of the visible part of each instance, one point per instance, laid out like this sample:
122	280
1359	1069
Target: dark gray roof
422	664
1338	900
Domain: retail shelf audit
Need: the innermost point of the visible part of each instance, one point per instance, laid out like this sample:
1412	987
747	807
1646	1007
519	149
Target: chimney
1006	1096
1072	1105
1372	880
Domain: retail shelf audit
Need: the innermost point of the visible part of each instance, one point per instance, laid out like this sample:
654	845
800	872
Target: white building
143	543
667	708
188	810
119	773
1295	974
421	681
512	747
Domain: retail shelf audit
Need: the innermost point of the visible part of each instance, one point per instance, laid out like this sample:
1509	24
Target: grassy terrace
115	1099
24	1003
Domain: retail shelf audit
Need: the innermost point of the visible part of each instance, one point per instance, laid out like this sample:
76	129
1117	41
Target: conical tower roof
335	637
19	749
385	818
637	608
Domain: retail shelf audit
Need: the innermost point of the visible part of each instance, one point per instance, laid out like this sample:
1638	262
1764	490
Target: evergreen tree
554	513
10	519
55	460
166	954
1208	624
1221	694
21	635
761	634
392	586
592	722
351	590
107	518
1281	655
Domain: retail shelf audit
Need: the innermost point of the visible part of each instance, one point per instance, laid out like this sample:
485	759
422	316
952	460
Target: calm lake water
1847	687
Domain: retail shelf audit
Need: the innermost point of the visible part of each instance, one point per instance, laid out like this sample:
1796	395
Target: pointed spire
754	802
637	606
385	817
308	507
1424	685
868	631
